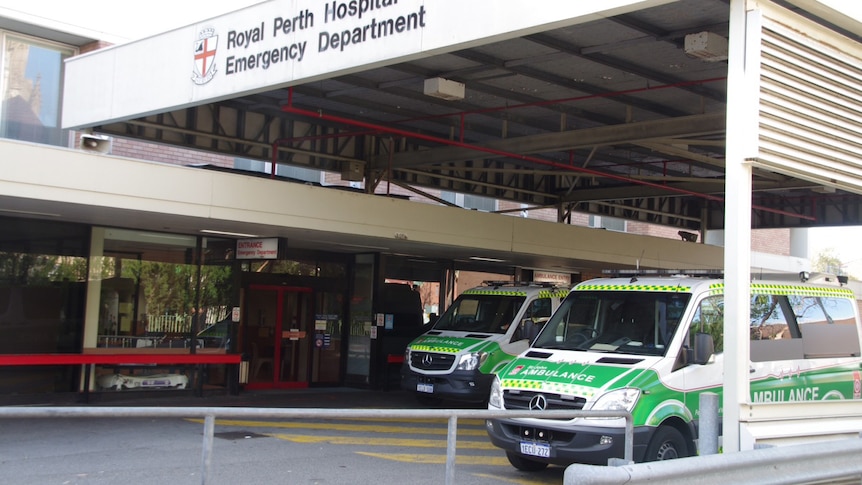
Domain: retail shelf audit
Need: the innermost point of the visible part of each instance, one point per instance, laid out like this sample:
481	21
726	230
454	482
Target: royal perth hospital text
374	28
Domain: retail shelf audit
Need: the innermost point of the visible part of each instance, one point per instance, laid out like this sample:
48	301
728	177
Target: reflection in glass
32	81
154	294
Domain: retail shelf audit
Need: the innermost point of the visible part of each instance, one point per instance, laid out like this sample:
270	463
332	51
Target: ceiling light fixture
487	260
362	246
227	233
706	46
444	89
30	213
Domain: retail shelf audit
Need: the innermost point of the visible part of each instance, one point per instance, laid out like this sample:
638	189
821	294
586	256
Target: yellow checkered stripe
547	386
553	294
775	289
430	348
496	292
669	288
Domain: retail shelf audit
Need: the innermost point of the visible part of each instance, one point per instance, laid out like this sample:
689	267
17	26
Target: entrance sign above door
258	248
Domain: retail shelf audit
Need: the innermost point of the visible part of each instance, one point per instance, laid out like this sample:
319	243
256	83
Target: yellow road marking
520	481
376	428
439	459
403	442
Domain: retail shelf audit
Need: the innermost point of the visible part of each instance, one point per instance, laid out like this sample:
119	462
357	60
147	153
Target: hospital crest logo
204	56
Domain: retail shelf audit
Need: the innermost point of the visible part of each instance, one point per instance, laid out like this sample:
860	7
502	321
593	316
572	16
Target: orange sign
293	334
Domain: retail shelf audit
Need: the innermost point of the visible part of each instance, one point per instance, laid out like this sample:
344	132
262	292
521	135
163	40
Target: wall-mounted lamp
687	236
96	143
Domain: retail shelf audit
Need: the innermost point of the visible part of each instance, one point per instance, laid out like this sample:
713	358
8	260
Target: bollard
708	427
207	454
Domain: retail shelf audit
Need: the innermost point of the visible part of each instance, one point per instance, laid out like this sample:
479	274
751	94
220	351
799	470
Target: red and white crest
204	56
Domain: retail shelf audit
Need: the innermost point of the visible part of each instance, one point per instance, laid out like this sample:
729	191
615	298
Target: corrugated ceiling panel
810	107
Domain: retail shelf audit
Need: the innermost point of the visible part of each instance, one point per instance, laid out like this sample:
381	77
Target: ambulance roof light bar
711	273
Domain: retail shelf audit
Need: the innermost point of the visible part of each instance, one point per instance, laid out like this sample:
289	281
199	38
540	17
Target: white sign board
552	277
281	43
257	248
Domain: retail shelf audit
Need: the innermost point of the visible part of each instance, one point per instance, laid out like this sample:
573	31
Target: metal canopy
611	117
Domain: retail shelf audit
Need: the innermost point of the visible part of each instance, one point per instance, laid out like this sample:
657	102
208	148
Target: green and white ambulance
652	345
483	329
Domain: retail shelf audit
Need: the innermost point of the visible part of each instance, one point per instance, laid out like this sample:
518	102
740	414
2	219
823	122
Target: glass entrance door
277	336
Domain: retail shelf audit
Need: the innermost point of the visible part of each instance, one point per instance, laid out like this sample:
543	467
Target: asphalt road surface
168	451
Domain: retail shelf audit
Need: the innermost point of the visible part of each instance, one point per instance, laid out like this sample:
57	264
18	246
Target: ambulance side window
534	319
539	308
827	324
709	318
767	319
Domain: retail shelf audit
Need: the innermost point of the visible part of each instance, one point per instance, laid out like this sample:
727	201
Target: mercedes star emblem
538	403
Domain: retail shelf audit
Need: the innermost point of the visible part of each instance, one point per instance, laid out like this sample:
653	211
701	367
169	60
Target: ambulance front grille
523	399
431	360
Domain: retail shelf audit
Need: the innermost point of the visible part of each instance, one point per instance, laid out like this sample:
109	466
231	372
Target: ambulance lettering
781	395
444	341
561	375
558	375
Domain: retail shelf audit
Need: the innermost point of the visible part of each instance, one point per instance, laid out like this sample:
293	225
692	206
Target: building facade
143	300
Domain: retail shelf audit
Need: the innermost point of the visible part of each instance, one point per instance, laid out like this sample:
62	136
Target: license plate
429	388
535	449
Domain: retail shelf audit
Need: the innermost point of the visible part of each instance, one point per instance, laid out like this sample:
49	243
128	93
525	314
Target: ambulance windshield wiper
558	347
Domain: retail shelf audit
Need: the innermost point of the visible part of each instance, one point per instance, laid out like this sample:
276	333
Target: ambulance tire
666	444
525	464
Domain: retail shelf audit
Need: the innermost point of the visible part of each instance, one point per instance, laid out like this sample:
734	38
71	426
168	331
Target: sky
123	21
843	242
128	20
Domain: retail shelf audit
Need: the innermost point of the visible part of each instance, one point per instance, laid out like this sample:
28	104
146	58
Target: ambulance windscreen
628	322
488	313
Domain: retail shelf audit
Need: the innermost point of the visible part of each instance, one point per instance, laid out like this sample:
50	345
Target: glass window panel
43	274
709	318
148	295
32	91
767	319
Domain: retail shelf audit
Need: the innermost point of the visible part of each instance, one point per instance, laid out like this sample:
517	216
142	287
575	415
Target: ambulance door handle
751	370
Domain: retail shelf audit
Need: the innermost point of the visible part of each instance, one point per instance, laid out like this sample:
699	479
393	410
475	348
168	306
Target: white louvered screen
810	116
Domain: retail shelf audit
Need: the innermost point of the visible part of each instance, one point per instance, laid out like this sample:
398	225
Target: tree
828	262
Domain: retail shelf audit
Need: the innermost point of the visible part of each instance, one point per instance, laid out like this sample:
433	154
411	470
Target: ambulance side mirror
703	349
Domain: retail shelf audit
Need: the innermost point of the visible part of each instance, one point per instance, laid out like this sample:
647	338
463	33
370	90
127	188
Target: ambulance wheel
525	464
666	444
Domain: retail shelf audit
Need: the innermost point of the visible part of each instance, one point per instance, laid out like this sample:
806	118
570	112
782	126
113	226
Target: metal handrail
831	461
209	414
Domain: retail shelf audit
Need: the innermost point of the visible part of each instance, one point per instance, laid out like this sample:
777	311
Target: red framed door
277	335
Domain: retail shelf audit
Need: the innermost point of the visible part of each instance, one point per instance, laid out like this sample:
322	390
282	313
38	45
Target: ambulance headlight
495	400
471	361
618	400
